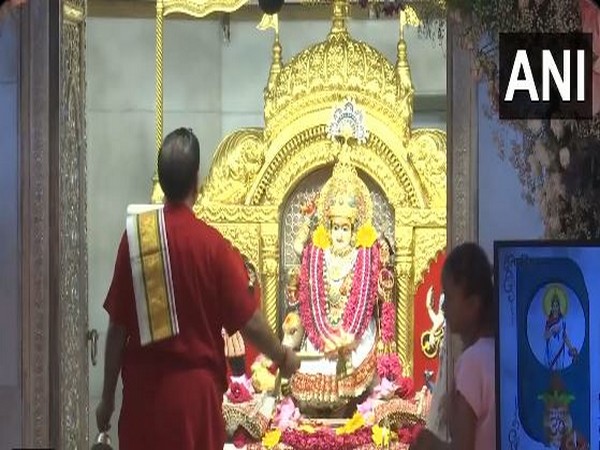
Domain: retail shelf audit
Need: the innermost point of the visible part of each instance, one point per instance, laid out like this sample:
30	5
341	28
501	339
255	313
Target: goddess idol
335	303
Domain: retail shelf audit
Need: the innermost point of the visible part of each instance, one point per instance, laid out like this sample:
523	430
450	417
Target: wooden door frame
53	224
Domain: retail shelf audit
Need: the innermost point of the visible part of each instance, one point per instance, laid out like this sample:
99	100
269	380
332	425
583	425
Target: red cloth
173	390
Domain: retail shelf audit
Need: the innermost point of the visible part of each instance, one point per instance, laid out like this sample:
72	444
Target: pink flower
388	366
244	380
366	408
416	430
241	438
287	415
385	389
388	321
406	388
405	435
326	439
237	393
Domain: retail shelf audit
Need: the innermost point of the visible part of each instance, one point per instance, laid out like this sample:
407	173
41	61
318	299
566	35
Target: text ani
549	68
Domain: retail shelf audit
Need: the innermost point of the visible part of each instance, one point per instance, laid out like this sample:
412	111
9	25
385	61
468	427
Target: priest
177	284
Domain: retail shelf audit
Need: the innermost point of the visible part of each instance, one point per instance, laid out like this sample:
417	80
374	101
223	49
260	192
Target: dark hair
178	164
469	267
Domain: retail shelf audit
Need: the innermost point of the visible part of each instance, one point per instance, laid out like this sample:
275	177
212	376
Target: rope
159	74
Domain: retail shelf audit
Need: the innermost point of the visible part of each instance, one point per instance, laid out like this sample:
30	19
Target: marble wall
10	314
210	85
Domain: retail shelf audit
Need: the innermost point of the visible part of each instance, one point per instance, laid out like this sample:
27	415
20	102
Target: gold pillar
404	304
404	312
270	270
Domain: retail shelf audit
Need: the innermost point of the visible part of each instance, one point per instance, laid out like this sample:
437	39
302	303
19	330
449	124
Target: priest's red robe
173	390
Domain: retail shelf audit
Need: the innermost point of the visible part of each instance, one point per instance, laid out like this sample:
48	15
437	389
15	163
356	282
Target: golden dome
330	71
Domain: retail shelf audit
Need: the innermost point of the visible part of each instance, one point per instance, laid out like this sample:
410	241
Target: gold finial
341	10
408	16
405	89
272	21
269	21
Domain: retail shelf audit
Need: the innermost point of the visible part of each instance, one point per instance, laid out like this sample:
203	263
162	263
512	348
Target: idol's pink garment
475	379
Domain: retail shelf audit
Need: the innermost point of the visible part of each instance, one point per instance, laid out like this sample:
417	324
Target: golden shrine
262	179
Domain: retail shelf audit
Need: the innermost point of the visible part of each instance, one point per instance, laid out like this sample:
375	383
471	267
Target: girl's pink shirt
475	379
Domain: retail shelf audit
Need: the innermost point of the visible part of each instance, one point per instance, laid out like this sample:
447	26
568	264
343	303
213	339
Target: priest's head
178	166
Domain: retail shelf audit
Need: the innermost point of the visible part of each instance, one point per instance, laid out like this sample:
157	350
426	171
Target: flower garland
313	295
388	322
389	366
355	434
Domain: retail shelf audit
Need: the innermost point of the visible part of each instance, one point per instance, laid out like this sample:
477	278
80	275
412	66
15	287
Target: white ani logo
549	68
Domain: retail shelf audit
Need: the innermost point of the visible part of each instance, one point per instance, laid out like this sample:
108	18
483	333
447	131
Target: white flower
564	157
536	168
534	125
558	128
541	153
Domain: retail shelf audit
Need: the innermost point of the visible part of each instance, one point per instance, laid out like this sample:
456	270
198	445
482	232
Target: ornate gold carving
220	213
255	171
404	238
245	237
270	251
238	159
404	313
429	242
322	74
200	8
73	12
427	153
72	235
421	217
310	149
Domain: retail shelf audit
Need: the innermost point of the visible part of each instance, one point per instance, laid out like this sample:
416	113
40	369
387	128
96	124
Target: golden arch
255	170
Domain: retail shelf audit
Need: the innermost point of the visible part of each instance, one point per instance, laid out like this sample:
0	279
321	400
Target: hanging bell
270	6
102	442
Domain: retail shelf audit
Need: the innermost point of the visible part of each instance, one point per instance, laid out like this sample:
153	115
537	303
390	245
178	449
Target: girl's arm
462	427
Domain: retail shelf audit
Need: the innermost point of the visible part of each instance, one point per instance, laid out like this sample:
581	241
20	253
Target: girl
470	312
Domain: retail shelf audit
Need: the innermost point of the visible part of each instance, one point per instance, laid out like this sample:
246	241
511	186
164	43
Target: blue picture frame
547	344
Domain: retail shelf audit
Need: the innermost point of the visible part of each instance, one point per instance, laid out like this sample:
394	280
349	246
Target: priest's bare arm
113	358
258	332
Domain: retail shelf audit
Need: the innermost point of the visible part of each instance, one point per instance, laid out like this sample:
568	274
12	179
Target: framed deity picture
548	345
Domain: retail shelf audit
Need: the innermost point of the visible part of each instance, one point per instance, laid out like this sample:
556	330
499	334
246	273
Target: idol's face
341	233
